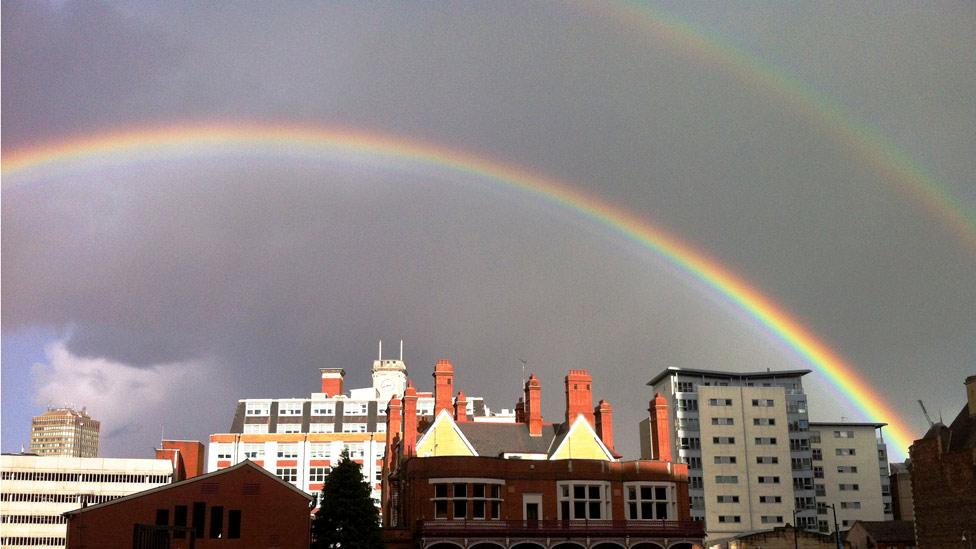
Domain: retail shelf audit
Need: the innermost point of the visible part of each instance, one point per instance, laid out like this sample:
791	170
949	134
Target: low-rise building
237	507
943	471
36	490
901	492
888	534
782	537
850	469
456	482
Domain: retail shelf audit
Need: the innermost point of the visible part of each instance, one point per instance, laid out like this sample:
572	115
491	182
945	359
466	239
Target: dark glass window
199	516
162	517
216	521
179	520
234	524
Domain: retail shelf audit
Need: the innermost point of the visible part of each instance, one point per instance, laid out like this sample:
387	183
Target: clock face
387	385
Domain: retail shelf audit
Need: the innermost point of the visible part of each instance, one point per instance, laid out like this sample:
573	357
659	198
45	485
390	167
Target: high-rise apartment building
64	432
850	470
745	439
299	439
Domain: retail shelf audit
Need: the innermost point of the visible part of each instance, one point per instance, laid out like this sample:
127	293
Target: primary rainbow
862	141
181	141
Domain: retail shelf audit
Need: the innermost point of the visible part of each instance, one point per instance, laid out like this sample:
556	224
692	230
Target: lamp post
833	508
796	533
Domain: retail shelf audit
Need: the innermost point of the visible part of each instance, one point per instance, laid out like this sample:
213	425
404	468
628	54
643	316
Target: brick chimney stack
660	430
409	420
443	386
533	405
520	410
971	395
579	396
394	418
461	408
604	423
332	381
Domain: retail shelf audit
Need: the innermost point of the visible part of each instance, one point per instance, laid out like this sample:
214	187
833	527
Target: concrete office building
850	469
64	432
745	439
36	490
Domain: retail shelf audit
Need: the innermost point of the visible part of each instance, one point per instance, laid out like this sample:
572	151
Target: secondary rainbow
863	142
160	143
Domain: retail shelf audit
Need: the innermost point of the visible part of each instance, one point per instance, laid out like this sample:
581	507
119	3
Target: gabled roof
444	417
208	476
962	431
495	439
579	423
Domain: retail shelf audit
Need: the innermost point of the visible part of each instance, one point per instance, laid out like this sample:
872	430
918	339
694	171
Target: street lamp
833	508
796	533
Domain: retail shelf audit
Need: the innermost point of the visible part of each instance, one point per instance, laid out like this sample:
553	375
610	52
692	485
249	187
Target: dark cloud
267	269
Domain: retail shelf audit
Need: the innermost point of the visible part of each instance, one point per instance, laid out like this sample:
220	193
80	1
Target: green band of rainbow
123	147
864	143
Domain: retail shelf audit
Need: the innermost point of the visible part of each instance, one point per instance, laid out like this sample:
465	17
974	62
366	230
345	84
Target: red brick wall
272	515
943	493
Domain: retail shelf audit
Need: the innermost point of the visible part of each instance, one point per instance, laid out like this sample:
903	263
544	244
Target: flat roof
719	374
846	424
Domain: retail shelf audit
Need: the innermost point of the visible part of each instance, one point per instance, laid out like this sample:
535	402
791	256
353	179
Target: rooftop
719	374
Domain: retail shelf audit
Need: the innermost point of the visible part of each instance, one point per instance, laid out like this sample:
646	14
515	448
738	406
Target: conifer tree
347	517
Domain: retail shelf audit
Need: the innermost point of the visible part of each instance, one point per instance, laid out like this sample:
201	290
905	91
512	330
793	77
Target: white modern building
850	469
299	439
745	439
36	490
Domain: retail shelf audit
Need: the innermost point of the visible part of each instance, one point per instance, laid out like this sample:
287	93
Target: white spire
401	350
380	357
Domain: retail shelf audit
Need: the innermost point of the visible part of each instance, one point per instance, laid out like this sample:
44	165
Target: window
688	423
817	454
288	474
849	487
693	462
162	517
254	451
843	434
724	459
483	500
287	451
764	421
321	427
769	519
381	427
814	437
583	501
355	450
818	472
353	427
762	402
729	518
799	444
255	428
723	440
720	402
648	502
802	503
850	505
355	409
234	524
767	460
689	443
844	451
289	408
216	522
687	404
257	409
199	516
821	490
800	464
319	451
697	502
726	479
323	409
770	499
847	468
686	387
765	441
318	474
727	499
225	451
694	482
802	483
769	480
723	421
289	427
179	520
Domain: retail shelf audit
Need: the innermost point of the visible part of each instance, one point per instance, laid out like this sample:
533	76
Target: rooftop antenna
380	357
401	350
926	413
524	362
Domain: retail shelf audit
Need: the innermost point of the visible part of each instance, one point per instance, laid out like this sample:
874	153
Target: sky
775	138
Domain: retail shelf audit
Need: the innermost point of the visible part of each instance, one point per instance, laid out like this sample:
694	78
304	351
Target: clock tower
389	376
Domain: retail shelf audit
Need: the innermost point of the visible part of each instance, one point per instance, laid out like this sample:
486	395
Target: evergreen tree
346	517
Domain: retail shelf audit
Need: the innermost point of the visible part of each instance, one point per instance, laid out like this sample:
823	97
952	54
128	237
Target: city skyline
802	150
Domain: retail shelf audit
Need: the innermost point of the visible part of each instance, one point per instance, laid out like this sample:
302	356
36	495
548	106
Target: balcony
561	528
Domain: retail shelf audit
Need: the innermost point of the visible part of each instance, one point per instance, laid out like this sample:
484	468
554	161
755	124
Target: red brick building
943	469
186	455
888	534
529	484
243	506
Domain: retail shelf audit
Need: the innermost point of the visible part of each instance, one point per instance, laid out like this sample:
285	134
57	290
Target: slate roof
962	431
889	531
495	439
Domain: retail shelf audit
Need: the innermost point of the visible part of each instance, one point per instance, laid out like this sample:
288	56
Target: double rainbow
182	141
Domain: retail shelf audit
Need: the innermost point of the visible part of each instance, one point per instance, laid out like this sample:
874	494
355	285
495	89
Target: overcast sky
157	294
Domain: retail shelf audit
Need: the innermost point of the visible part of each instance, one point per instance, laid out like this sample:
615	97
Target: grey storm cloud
259	271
